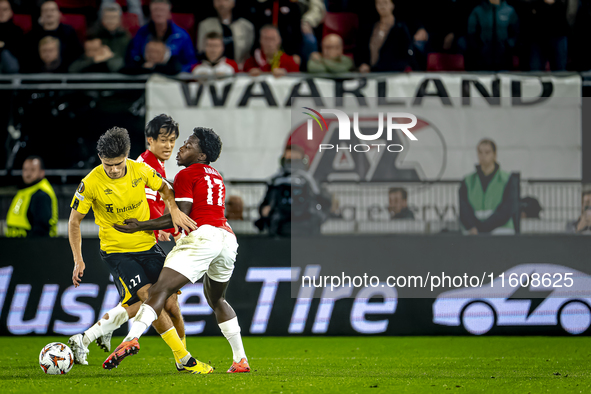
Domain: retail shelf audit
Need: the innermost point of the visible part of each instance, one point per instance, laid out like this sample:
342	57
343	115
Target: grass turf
326	364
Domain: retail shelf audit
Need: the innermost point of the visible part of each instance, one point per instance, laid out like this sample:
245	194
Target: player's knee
144	292
160	290
172	305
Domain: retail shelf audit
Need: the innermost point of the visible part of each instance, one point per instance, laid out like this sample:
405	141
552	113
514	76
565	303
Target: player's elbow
74	220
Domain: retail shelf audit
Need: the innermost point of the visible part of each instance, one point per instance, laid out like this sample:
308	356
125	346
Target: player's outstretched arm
179	218
161	223
76	244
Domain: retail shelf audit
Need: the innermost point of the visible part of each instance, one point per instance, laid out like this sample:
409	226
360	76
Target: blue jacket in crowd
176	39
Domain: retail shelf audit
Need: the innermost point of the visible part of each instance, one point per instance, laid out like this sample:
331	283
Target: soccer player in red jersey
209	251
161	134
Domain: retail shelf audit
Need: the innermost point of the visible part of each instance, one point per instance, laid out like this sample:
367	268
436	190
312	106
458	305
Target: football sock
144	318
184	340
231	331
117	316
171	337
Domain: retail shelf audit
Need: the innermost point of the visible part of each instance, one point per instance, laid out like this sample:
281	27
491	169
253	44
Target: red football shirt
203	186
155	202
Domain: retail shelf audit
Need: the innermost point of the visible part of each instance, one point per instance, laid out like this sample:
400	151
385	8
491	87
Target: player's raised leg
168	283
111	321
227	321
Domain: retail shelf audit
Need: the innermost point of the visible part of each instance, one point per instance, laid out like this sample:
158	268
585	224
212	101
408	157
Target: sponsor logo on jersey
109	208
135	182
156	174
80	188
79	196
129	207
108	191
75	204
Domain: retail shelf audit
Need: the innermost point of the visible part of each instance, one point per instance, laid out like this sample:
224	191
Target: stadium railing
363	208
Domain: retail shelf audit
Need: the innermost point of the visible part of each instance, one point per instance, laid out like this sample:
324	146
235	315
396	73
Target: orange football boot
128	348
242	366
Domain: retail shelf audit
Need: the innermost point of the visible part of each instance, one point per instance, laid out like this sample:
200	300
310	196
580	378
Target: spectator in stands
110	30
446	22
11	39
238	33
234	208
492	36
162	28
157	59
50	60
332	59
33	211
581	37
50	25
133	6
486	195
313	13
269	57
398	205
530	208
285	15
583	224
97	58
8	62
544	29
386	45
213	61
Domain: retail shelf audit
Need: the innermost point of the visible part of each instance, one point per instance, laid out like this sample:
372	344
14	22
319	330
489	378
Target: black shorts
132	271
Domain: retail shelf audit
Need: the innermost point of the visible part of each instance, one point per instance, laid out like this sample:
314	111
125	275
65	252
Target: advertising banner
535	121
496	285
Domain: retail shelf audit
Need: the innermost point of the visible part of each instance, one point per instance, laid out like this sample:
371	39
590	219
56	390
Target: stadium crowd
222	37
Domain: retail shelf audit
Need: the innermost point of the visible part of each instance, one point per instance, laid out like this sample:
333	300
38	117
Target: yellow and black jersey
114	200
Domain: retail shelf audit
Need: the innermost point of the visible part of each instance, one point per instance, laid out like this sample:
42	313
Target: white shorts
208	250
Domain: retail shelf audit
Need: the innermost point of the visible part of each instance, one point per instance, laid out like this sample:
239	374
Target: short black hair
160	1
209	142
114	143
214	35
399	189
93	35
35	157
531	206
159	122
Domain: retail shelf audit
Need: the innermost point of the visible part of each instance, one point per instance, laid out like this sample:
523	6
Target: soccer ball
56	359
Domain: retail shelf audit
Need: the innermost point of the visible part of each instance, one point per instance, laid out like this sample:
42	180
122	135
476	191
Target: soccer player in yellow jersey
115	192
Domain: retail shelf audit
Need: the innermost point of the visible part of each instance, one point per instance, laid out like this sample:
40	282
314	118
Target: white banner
536	123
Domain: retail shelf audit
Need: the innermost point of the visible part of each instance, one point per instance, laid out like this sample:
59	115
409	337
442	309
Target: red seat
78	22
345	24
130	22
445	62
75	3
23	21
186	21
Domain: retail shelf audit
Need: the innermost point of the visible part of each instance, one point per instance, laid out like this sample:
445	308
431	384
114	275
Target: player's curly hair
114	143
209	142
160	122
